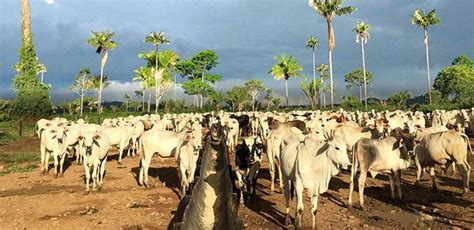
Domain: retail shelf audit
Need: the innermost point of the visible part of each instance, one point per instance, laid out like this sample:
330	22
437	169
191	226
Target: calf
186	156
50	143
378	156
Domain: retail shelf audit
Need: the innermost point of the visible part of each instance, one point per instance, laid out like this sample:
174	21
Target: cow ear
418	126
188	138
52	131
96	137
260	146
48	124
80	137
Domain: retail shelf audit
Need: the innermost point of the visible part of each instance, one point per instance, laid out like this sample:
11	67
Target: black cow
248	162
244	124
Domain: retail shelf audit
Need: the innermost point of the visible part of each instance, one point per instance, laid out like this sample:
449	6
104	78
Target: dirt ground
28	200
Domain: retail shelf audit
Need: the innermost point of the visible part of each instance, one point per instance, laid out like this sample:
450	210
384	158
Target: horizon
246	36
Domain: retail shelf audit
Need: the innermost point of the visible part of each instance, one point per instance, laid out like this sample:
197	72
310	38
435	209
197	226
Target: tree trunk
149	100
322	93
427	66
99	99
286	93
156	78
363	68
143	100
202	80
360	93
314	77
331	79
174	87
42	76
25	22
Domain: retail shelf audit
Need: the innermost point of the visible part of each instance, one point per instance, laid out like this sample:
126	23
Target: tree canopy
457	81
356	78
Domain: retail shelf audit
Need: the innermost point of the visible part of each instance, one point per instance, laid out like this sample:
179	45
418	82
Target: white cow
311	164
163	143
186	156
96	146
388	156
50	144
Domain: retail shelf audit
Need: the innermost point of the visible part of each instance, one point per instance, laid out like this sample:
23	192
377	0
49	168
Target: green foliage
102	41
457	81
362	31
6	109
424	20
156	38
312	42
351	103
32	96
399	99
236	98
205	60
311	90
285	67
216	99
356	78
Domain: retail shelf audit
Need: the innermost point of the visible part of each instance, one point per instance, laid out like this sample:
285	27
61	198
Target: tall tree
157	39
323	74
127	98
32	96
254	88
285	68
312	43
456	81
205	60
83	82
102	41
424	21
329	9
399	98
362	32
143	74
141	94
358	77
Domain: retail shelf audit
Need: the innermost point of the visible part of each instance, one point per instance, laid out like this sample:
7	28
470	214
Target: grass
17	163
9	130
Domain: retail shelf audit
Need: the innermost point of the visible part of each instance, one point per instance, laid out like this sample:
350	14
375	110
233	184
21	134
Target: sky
246	35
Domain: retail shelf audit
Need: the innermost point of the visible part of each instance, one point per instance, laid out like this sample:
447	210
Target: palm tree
328	9
143	74
102	41
25	22
99	83
312	43
424	21
127	98
141	93
311	89
362	32
156	38
285	67
42	69
322	69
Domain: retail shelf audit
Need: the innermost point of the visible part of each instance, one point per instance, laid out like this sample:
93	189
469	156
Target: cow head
89	141
337	152
405	140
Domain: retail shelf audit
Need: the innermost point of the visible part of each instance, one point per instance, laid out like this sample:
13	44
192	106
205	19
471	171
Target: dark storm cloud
245	34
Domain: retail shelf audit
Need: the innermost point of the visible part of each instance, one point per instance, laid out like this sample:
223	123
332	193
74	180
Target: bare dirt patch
33	201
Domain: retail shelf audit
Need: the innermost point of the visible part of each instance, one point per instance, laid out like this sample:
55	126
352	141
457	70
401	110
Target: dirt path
33	201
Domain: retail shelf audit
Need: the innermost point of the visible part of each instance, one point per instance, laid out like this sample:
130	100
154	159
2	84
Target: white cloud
49	2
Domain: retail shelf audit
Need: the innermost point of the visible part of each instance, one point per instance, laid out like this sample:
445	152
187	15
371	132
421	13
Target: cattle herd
305	148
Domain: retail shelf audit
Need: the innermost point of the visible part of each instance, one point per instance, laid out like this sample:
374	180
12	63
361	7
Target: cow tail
355	161
292	190
178	147
468	143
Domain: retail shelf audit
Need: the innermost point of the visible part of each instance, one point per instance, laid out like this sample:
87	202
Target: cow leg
95	169
43	155
419	171
145	165
271	166
362	177
464	169
392	185
314	210
56	165
300	205
280	183
287	201
120	154
102	171
182	178
46	162
61	166
433	179
140	174
397	174
88	177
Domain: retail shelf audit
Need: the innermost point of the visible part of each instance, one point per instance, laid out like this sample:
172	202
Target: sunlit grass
17	163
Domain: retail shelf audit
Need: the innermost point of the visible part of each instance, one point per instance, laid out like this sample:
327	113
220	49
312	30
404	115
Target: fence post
20	132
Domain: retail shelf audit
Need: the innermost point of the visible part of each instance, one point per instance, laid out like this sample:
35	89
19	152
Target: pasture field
29	200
